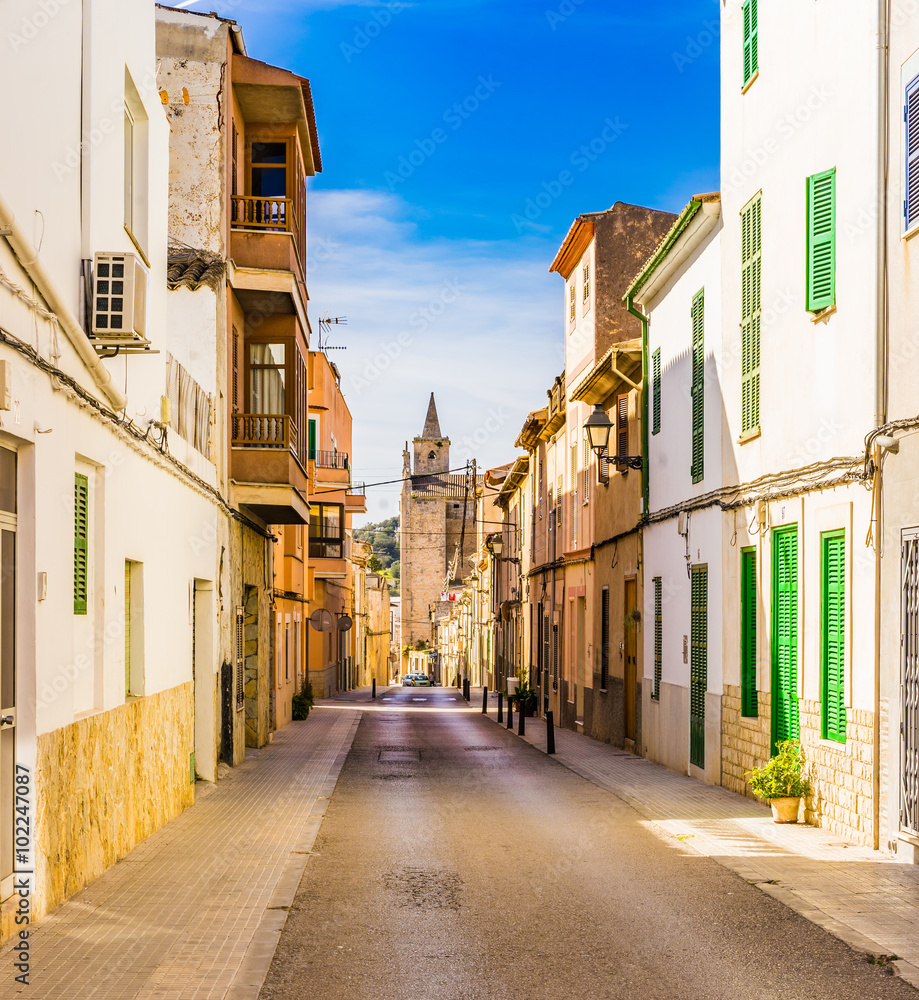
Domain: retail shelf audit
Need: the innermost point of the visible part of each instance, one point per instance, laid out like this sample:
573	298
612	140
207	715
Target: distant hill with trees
384	537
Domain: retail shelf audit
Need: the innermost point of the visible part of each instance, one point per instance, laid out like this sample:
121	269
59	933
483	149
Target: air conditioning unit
119	297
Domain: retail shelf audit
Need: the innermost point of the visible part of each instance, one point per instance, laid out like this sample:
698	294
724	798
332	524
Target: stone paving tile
174	919
867	898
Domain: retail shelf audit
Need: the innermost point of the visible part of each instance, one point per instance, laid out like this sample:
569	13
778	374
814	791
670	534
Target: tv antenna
325	327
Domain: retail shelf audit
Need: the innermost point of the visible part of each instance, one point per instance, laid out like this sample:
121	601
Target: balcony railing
274	215
263	430
261	213
268	430
329	459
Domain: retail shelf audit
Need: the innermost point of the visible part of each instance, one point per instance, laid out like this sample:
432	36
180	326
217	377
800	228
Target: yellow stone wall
840	773
744	741
105	783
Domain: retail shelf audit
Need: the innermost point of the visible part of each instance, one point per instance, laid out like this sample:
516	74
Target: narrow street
457	861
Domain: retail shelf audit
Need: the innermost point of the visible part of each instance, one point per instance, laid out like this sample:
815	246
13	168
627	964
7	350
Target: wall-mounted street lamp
598	427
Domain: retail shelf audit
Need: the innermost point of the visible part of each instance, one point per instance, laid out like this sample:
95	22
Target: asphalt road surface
457	862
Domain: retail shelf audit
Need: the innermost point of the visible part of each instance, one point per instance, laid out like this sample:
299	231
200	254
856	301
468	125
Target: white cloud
477	323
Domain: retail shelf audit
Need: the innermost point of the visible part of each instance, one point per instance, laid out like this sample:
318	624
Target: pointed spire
431	430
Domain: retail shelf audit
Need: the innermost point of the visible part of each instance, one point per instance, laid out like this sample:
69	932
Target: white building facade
109	535
800	390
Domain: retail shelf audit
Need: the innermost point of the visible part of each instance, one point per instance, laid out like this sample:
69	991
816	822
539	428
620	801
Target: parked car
422	680
407	681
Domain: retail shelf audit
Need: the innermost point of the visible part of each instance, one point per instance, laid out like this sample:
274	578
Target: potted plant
781	782
525	696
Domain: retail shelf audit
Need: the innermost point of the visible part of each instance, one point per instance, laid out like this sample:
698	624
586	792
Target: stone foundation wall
105	783
744	740
841	774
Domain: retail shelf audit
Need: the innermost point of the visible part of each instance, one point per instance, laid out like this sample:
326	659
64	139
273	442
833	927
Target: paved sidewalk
868	899
196	909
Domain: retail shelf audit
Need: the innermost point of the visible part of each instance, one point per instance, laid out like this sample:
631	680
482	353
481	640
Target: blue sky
459	139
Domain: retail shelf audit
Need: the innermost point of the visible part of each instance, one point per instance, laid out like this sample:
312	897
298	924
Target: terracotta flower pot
785	810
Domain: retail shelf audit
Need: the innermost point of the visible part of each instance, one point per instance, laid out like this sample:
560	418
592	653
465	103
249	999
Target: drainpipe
28	259
645	472
880	416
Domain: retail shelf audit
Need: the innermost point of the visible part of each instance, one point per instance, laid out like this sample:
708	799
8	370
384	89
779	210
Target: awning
619	370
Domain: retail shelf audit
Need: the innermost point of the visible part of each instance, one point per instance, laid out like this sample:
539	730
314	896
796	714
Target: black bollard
466	691
550	733
373	688
510	714
500	707
485	700
521	725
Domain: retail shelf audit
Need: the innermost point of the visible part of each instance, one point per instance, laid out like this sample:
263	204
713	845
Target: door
631	660
7	665
580	656
698	664
785	719
909	682
205	680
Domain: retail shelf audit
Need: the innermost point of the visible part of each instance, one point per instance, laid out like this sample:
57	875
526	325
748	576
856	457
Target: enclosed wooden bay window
327	529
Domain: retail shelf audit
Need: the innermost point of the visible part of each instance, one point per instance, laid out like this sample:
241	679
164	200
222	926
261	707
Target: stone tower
435	505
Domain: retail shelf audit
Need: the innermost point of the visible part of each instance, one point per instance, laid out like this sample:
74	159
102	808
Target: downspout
645	475
880	416
28	259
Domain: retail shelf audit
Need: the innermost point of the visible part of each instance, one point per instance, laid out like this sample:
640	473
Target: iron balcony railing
329	459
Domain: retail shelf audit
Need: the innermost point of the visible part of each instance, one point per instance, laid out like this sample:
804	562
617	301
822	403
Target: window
127	628
135	164
697	390
604	639
585	293
785	707
555	656
585	472
748	701
267	379
911	180
326	531
558	503
751	310
572	296
832	635
658	639
128	169
189	405
235	387
698	663
268	183
750	41
573	483
622	428
80	539
234	167
656	391
821	240
313	435
287	649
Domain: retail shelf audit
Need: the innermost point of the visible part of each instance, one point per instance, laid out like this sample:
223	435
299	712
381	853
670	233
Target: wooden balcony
557	408
268	464
275	220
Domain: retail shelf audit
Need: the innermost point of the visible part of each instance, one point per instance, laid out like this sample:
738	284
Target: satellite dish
321	620
344	623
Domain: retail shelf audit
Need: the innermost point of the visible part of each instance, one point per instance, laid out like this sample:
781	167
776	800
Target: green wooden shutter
750	40
821	240
785	719
656	392
698	386
312	438
748	701
832	644
751	309
698	664
911	118
658	639
80	537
